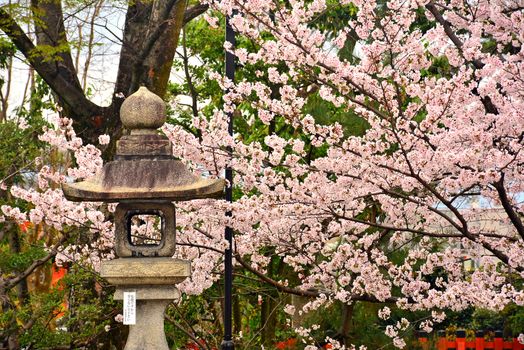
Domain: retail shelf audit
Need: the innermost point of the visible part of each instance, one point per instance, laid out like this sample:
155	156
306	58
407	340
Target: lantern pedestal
153	280
148	331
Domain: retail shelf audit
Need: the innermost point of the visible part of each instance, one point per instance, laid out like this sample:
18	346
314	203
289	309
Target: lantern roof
144	167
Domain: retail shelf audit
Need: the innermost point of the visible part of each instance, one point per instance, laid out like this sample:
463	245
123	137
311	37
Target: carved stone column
153	280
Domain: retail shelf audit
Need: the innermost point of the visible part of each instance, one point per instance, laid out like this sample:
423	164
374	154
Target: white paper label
129	308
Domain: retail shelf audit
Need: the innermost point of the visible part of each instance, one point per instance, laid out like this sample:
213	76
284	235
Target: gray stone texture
145	271
124	211
144	166
143	110
148	332
153	280
145	178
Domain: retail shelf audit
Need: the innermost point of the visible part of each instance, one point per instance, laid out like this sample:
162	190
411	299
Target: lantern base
148	331
153	280
145	271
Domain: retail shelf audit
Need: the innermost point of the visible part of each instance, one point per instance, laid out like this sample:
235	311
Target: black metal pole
227	342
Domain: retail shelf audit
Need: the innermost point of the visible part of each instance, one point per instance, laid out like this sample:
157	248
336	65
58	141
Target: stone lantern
144	179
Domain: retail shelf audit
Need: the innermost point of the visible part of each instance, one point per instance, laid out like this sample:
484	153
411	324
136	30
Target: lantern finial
143	112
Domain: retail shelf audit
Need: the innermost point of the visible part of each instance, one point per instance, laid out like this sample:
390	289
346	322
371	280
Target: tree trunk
268	321
345	327
237	316
166	23
50	32
15	246
269	313
150	38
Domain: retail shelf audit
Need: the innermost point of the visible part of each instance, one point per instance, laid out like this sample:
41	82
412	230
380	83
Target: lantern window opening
145	228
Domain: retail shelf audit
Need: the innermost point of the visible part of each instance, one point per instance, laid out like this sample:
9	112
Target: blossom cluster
434	141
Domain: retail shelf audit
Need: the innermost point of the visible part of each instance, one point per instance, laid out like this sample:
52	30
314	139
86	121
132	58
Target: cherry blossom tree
438	133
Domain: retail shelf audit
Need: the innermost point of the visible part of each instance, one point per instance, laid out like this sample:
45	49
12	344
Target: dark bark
137	19
478	64
150	39
237	316
345	327
508	207
165	25
50	31
268	321
55	73
16	247
194	12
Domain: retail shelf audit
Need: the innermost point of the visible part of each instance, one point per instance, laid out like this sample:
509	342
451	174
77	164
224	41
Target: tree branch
304	293
280	287
55	74
194	12
12	282
508	208
186	332
50	32
486	101
166	19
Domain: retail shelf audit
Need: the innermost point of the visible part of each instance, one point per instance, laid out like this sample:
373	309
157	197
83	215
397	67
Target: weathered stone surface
124	212
149	292
143	179
144	167
148	332
153	280
143	110
143	146
145	271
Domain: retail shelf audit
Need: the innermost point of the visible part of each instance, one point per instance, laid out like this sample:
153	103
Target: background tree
148	43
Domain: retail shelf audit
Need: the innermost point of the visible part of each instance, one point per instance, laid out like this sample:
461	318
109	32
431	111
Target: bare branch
195	11
55	74
186	332
508	208
12	282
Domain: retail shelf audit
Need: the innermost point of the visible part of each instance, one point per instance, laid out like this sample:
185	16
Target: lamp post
144	179
227	342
